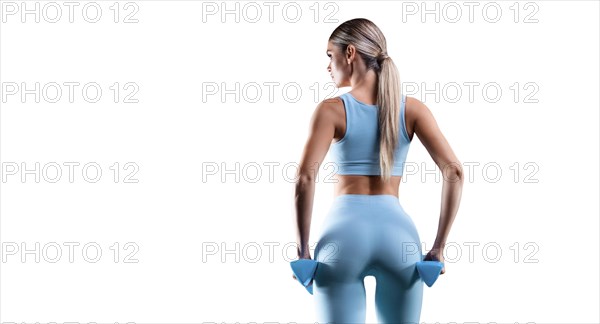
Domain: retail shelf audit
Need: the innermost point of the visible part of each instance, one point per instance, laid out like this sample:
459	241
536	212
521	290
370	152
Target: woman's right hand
305	255
436	254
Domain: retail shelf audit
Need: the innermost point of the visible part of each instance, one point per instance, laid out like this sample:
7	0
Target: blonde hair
371	45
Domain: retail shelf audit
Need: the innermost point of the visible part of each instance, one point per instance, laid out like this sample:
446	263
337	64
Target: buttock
364	235
367	235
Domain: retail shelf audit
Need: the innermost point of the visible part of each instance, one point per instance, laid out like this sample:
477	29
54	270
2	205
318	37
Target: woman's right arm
426	128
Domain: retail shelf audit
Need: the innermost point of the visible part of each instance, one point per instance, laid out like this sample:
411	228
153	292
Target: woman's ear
350	51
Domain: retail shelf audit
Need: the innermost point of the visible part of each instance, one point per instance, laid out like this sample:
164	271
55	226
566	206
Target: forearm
451	195
304	195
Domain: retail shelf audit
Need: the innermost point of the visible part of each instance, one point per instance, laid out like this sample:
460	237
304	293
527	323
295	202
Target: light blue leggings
367	235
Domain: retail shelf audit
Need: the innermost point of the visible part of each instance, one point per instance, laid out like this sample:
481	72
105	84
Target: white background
172	52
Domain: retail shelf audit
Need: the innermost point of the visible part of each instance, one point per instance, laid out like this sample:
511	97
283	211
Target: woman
366	231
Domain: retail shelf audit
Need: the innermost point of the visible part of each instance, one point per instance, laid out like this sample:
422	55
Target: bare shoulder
414	107
332	103
326	114
330	107
417	113
330	113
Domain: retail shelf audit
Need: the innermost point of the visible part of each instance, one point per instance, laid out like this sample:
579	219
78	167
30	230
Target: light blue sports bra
358	151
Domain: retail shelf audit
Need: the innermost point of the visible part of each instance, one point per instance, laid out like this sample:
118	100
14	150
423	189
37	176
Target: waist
367	198
366	185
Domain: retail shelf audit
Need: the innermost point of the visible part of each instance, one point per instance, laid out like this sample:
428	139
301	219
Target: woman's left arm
321	133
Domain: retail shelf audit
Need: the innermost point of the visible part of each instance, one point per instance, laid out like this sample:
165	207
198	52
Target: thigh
397	301
340	302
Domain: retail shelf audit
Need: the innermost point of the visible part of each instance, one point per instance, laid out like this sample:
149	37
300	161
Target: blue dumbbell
429	271
304	270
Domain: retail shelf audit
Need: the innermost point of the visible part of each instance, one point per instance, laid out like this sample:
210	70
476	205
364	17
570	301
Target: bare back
366	184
